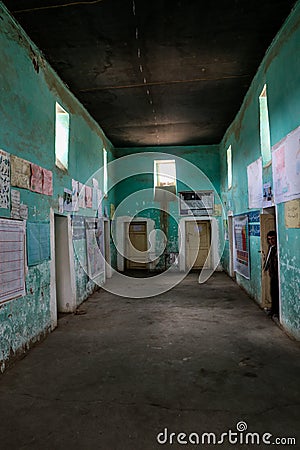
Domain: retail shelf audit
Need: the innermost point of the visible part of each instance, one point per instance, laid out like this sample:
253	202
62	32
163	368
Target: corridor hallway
198	358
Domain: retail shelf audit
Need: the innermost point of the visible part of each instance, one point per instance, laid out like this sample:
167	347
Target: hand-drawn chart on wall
12	259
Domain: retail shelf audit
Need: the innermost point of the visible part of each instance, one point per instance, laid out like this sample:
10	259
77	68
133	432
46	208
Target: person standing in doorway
271	265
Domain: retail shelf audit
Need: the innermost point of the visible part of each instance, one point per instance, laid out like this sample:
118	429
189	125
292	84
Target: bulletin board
38	242
12	259
197	203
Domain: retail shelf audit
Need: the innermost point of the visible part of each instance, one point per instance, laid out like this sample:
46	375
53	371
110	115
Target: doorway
137	243
230	239
198	239
64	265
107	255
267	223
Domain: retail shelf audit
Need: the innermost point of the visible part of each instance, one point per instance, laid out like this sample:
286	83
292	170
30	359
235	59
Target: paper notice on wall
88	197
23	211
100	212
112	211
95	246
47	182
81	192
267	195
75	195
67	200
286	167
36	178
15	204
60	204
4	180
95	194
292	213
255	188
20	172
12	259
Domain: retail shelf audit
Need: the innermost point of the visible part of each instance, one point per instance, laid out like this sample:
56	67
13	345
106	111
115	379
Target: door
138	241
267	223
197	244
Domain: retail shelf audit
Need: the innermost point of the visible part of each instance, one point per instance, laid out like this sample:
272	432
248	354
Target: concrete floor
199	358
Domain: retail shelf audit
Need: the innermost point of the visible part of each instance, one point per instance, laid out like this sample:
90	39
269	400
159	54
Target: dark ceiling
155	72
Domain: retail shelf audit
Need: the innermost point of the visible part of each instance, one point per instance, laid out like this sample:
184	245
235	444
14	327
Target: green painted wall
27	121
205	158
280	70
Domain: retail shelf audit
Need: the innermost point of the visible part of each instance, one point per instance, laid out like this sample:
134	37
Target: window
264	127
229	167
105	180
61	137
164	173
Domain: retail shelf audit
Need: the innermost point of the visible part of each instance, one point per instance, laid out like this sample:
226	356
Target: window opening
62	123
105	179
265	144
229	167
164	173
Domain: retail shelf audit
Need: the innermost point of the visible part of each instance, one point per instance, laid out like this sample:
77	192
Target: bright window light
164	173
229	167
265	144
62	122
105	180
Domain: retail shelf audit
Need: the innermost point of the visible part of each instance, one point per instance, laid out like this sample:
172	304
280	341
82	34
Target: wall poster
38	242
286	167
241	246
47	182
95	246
88	197
12	259
292	213
4	179
255	187
20	172
36	184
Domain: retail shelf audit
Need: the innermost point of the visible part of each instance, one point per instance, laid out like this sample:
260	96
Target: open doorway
64	265
267	224
108	268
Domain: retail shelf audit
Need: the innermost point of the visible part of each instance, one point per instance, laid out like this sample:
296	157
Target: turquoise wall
204	158
280	70
27	127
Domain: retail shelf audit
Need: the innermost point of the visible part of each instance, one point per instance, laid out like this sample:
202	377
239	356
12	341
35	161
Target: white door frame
214	252
108	268
53	304
121	239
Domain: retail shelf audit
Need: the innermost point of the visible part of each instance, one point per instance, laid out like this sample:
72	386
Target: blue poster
38	242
